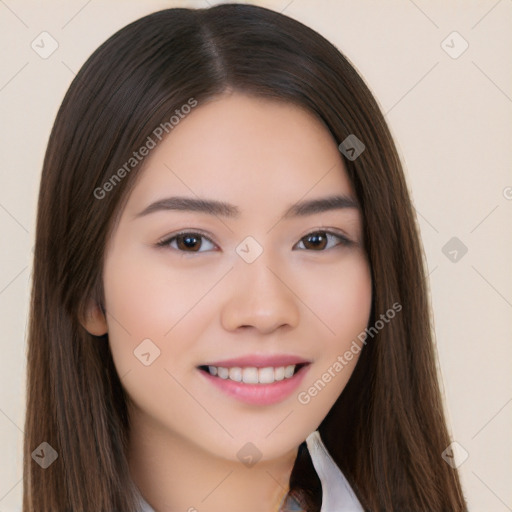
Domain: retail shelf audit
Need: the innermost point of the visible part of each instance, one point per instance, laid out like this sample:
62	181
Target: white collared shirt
337	495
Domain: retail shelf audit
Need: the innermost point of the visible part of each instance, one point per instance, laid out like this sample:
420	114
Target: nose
260	298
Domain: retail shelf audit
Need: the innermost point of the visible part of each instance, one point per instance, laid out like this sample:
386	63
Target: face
228	306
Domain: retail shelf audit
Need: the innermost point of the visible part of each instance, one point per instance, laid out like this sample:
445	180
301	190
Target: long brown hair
387	429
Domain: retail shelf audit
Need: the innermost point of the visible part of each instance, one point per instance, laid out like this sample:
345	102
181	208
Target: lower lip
258	394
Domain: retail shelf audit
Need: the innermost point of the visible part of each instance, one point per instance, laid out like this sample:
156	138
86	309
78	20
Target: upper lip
260	361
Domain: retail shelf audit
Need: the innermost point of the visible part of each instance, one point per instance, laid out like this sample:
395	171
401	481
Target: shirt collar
337	495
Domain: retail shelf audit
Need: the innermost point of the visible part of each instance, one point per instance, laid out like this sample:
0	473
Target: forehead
241	148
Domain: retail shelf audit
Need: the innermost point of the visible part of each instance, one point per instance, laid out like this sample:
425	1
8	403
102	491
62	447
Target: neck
173	474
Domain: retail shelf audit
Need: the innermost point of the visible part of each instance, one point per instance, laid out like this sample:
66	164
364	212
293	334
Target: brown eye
315	241
188	242
322	240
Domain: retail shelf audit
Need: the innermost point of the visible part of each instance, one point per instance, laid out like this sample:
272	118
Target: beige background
452	121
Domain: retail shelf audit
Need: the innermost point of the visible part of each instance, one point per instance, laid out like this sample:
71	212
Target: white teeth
266	375
279	373
253	375
250	375
223	373
288	371
235	374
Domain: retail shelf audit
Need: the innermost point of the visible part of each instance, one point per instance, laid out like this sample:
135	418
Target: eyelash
343	240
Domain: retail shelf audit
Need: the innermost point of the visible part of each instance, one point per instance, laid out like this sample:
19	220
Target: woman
229	309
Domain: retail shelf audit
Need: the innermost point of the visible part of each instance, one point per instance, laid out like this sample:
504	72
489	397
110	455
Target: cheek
134	300
151	325
342	299
350	301
343	305
145	301
147	294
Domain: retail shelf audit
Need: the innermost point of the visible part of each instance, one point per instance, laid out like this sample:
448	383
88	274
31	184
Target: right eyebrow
212	207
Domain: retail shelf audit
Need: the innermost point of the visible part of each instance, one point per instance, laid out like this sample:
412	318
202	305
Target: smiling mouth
254	375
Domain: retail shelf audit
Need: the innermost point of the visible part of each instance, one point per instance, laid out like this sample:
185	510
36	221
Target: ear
94	320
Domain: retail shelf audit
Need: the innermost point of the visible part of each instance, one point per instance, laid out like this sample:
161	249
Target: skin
200	306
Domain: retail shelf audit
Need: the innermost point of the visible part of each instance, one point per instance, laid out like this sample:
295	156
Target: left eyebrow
212	207
323	204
